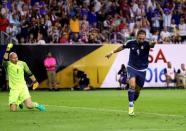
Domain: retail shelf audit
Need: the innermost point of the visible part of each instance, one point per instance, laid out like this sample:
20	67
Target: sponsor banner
158	58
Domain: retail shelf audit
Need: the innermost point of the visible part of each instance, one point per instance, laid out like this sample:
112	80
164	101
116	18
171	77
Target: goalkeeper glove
35	85
9	46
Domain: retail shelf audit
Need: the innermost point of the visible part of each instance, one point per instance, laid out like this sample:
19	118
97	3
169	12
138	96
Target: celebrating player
138	62
18	89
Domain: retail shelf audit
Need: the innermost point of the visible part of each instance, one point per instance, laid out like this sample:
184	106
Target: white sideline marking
113	110
151	129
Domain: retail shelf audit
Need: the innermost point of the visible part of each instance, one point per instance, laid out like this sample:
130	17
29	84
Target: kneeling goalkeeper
19	92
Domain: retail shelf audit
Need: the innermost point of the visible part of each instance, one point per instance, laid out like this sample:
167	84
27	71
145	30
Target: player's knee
132	86
13	108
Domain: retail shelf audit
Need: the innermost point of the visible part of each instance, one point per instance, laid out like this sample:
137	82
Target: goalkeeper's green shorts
17	96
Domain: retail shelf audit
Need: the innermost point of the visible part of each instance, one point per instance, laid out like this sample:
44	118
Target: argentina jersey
139	52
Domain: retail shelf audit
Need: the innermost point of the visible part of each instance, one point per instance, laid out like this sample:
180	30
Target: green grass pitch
105	110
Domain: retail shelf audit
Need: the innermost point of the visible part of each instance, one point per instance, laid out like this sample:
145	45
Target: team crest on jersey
138	51
20	65
142	47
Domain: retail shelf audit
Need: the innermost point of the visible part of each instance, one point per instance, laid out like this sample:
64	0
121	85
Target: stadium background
91	59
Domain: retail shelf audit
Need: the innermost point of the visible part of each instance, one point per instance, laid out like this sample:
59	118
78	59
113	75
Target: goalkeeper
18	89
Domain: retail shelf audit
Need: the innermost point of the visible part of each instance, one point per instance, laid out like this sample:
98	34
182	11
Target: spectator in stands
24	27
84	29
155	20
48	22
4	22
22	40
181	76
33	17
92	16
151	4
11	30
43	28
124	8
165	35
167	15
15	21
40	39
31	39
122	74
34	28
81	80
156	36
176	38
182	29
50	65
170	73
74	28
64	38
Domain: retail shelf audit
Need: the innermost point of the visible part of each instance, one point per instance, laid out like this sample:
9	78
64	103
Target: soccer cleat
21	106
131	111
41	107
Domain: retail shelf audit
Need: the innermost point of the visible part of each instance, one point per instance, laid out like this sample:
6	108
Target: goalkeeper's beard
14	61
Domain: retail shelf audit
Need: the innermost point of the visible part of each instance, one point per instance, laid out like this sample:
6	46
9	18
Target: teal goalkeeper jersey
15	74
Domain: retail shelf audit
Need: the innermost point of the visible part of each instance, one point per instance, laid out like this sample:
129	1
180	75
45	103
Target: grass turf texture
156	110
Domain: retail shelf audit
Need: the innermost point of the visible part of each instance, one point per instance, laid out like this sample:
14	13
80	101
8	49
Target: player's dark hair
141	31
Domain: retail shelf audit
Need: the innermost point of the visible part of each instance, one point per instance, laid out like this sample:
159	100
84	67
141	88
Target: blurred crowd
93	21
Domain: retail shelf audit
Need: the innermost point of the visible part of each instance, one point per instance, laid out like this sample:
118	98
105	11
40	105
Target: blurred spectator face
33	21
46	17
49	54
84	5
183	66
167	11
11	25
173	21
182	21
84	17
150	9
31	36
169	65
22	40
165	28
42	20
14	16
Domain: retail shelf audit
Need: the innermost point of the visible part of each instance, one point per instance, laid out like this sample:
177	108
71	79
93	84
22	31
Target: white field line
150	129
113	110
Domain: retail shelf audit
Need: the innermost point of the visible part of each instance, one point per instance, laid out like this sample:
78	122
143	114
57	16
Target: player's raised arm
114	51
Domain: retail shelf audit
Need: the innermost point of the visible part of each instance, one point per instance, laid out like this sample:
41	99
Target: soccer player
18	89
137	64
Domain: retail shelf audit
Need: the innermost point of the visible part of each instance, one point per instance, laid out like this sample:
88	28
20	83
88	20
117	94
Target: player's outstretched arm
114	51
